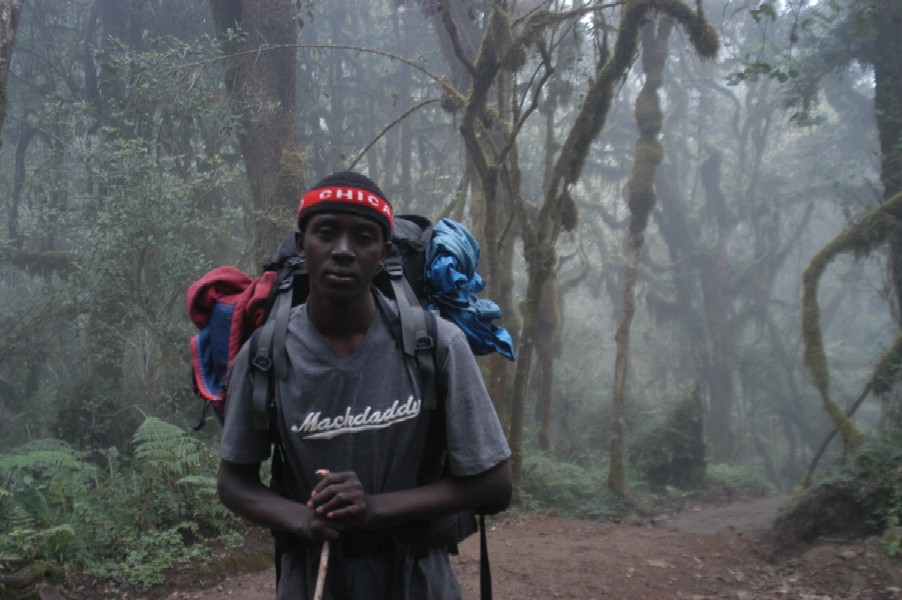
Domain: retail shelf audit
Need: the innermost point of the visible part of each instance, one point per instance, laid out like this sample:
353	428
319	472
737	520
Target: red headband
341	196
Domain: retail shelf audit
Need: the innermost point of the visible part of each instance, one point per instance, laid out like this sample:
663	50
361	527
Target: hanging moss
589	123
489	117
649	153
514	59
703	36
648	112
452	101
569	212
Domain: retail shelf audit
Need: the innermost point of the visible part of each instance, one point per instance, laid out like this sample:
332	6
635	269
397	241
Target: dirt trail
700	553
751	517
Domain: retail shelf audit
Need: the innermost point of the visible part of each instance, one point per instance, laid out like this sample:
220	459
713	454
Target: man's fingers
334	498
326	530
334	486
352	511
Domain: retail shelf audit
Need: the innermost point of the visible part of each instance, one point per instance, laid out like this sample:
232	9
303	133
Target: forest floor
702	552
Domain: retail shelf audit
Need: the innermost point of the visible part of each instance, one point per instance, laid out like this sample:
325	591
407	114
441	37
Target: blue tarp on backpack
210	353
453	283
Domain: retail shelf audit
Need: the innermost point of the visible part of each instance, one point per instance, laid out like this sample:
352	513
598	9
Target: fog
131	163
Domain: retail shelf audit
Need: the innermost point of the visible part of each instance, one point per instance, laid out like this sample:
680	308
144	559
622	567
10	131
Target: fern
46	476
53	460
162	446
14	516
129	518
17	528
205	484
55	541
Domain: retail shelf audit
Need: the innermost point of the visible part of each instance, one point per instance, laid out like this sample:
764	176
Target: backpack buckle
394	270
294	261
263	363
424	342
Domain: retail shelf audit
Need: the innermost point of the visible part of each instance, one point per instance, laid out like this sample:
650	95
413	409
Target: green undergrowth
736	482
861	494
670	452
571	490
125	518
578	491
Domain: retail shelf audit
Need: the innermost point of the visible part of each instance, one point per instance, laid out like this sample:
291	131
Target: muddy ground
703	552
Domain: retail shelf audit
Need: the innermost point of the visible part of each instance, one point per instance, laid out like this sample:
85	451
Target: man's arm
340	498
242	492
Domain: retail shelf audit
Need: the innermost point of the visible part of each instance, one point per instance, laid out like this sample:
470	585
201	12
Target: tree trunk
10	14
548	346
260	76
531	310
872	229
888	114
715	277
649	153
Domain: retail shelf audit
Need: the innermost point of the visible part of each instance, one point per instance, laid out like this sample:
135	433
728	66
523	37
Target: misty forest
686	211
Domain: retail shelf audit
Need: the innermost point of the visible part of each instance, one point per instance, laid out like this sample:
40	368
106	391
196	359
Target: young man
352	405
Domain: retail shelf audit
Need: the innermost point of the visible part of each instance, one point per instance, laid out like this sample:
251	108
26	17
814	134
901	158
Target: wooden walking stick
323	557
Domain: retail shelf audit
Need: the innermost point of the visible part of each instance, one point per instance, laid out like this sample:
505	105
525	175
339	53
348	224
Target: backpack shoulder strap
485	569
269	356
418	329
424	332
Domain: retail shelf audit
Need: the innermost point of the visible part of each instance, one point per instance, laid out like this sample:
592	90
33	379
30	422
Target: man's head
344	236
347	192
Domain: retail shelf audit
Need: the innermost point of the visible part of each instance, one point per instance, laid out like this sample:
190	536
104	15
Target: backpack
427	268
433	268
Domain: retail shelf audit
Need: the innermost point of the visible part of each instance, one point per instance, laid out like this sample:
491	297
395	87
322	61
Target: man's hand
242	492
339	498
317	529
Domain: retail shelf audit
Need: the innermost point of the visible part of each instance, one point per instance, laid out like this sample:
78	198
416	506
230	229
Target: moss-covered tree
491	143
540	234
867	31
649	153
258	37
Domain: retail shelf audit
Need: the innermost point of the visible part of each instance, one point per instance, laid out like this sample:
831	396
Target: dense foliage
121	516
672	452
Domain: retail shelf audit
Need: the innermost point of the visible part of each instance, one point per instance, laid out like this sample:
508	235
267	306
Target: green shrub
572	490
862	494
126	519
44	480
672	453
737	481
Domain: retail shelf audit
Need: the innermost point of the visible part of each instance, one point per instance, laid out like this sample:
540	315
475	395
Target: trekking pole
323	557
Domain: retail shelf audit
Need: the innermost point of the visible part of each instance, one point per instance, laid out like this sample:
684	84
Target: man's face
343	252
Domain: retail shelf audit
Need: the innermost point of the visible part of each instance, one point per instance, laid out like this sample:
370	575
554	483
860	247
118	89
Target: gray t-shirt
364	413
